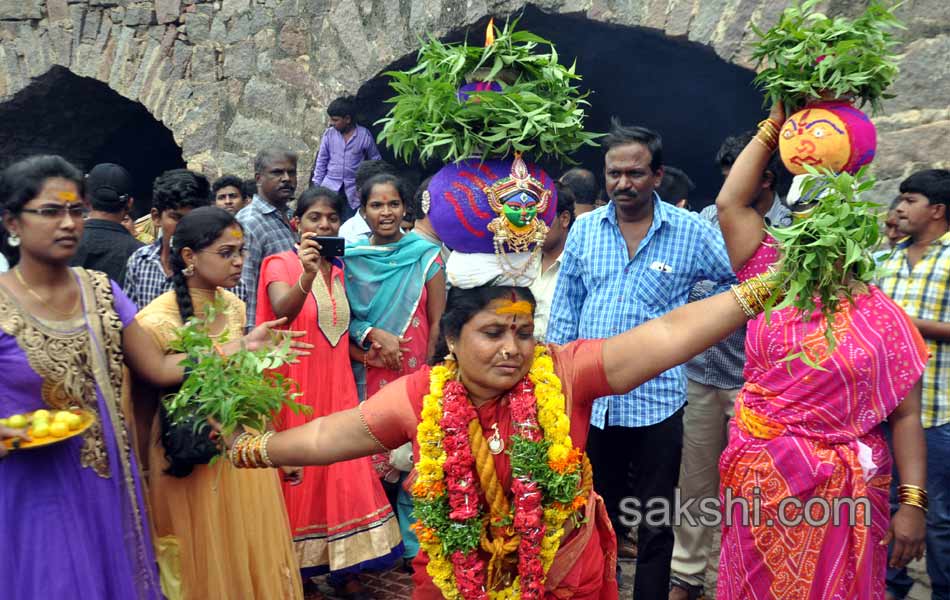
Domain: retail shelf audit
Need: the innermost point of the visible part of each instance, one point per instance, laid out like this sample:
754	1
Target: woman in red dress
339	514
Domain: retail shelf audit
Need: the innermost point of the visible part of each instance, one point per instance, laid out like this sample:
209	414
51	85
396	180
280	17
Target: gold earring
188	271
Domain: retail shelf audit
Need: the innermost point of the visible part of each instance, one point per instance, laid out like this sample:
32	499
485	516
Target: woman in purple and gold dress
72	513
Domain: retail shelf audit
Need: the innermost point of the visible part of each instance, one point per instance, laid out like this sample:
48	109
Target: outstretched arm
742	227
336	437
642	353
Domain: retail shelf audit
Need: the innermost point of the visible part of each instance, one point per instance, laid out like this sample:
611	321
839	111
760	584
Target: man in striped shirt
917	277
623	264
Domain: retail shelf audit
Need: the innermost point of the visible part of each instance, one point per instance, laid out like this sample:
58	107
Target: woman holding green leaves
821	379
218	532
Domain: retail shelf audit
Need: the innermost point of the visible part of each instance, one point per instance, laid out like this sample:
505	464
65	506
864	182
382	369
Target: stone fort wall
230	76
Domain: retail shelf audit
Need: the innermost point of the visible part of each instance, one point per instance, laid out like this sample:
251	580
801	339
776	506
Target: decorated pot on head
833	135
473	110
493	215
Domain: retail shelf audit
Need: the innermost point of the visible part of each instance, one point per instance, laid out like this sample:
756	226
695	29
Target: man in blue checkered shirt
626	263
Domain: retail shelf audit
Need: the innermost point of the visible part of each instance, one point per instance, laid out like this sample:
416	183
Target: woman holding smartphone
339	514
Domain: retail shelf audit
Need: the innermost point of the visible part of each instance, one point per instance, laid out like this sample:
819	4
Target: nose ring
504	354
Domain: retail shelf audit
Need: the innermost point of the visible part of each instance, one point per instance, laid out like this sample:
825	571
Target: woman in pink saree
804	439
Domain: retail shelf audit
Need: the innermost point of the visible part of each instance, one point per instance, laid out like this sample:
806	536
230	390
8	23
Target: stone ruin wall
230	76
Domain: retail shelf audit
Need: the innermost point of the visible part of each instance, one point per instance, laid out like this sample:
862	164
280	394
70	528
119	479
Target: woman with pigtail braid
212	514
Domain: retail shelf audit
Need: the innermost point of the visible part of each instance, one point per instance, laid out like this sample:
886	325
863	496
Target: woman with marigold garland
501	485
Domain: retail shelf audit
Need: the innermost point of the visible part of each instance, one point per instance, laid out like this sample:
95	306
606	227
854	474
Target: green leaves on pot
827	253
808	56
538	112
238	390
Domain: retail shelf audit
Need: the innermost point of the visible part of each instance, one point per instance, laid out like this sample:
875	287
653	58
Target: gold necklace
46	303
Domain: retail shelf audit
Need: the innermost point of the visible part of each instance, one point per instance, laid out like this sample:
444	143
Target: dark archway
683	90
87	122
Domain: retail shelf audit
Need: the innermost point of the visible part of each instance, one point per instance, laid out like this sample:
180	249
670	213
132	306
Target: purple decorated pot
491	206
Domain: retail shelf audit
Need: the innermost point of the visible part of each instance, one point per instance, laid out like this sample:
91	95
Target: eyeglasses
58	212
230	253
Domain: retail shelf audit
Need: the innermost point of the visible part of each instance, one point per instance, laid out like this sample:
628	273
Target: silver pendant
496	445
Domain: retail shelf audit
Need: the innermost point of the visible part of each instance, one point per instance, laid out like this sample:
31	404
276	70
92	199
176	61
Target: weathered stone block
901	152
138	15
293	40
680	17
197	27
240	60
254	134
924	78
167	11
57	10
264	97
21	10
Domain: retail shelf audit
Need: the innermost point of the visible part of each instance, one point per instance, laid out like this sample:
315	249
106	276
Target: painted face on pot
816	137
520	209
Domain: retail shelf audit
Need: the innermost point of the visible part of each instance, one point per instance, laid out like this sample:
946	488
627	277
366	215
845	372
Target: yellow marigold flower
429	470
428	432
431	413
558	453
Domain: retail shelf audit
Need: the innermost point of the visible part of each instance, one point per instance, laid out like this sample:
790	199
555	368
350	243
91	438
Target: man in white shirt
543	286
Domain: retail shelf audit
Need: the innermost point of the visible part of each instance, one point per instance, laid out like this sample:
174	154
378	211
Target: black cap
108	183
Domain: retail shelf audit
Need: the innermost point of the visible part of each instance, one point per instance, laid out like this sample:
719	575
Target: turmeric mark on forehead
68	197
521	307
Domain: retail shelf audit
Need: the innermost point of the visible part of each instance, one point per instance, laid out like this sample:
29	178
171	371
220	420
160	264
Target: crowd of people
673	396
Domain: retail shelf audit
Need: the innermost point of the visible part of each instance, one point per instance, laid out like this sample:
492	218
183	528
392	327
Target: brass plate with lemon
47	427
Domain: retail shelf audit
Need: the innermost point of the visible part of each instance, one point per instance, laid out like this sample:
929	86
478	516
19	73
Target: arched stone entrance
231	76
88	123
683	90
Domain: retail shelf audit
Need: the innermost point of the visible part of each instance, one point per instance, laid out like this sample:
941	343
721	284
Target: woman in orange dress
339	514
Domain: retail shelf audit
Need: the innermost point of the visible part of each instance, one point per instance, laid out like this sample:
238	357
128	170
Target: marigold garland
546	484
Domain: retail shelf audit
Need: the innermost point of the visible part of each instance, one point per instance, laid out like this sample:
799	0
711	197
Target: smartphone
330	247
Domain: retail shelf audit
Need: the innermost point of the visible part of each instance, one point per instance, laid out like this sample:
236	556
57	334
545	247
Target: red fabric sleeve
277	267
580	367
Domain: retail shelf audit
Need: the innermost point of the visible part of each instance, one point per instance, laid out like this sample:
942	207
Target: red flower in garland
459	463
469	571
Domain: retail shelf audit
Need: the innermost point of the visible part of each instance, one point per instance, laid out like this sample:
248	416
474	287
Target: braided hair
197	230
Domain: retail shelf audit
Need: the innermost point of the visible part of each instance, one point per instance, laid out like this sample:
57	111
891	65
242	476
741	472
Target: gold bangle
236	447
913	495
300	285
359	410
264	456
742	303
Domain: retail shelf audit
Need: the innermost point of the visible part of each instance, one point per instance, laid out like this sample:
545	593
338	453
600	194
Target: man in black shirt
106	245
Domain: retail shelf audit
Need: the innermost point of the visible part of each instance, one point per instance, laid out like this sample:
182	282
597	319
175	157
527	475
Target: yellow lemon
39	430
3	423
58	429
62	416
16	422
40	415
74	421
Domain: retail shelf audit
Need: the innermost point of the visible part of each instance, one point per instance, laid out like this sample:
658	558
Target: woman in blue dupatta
396	287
